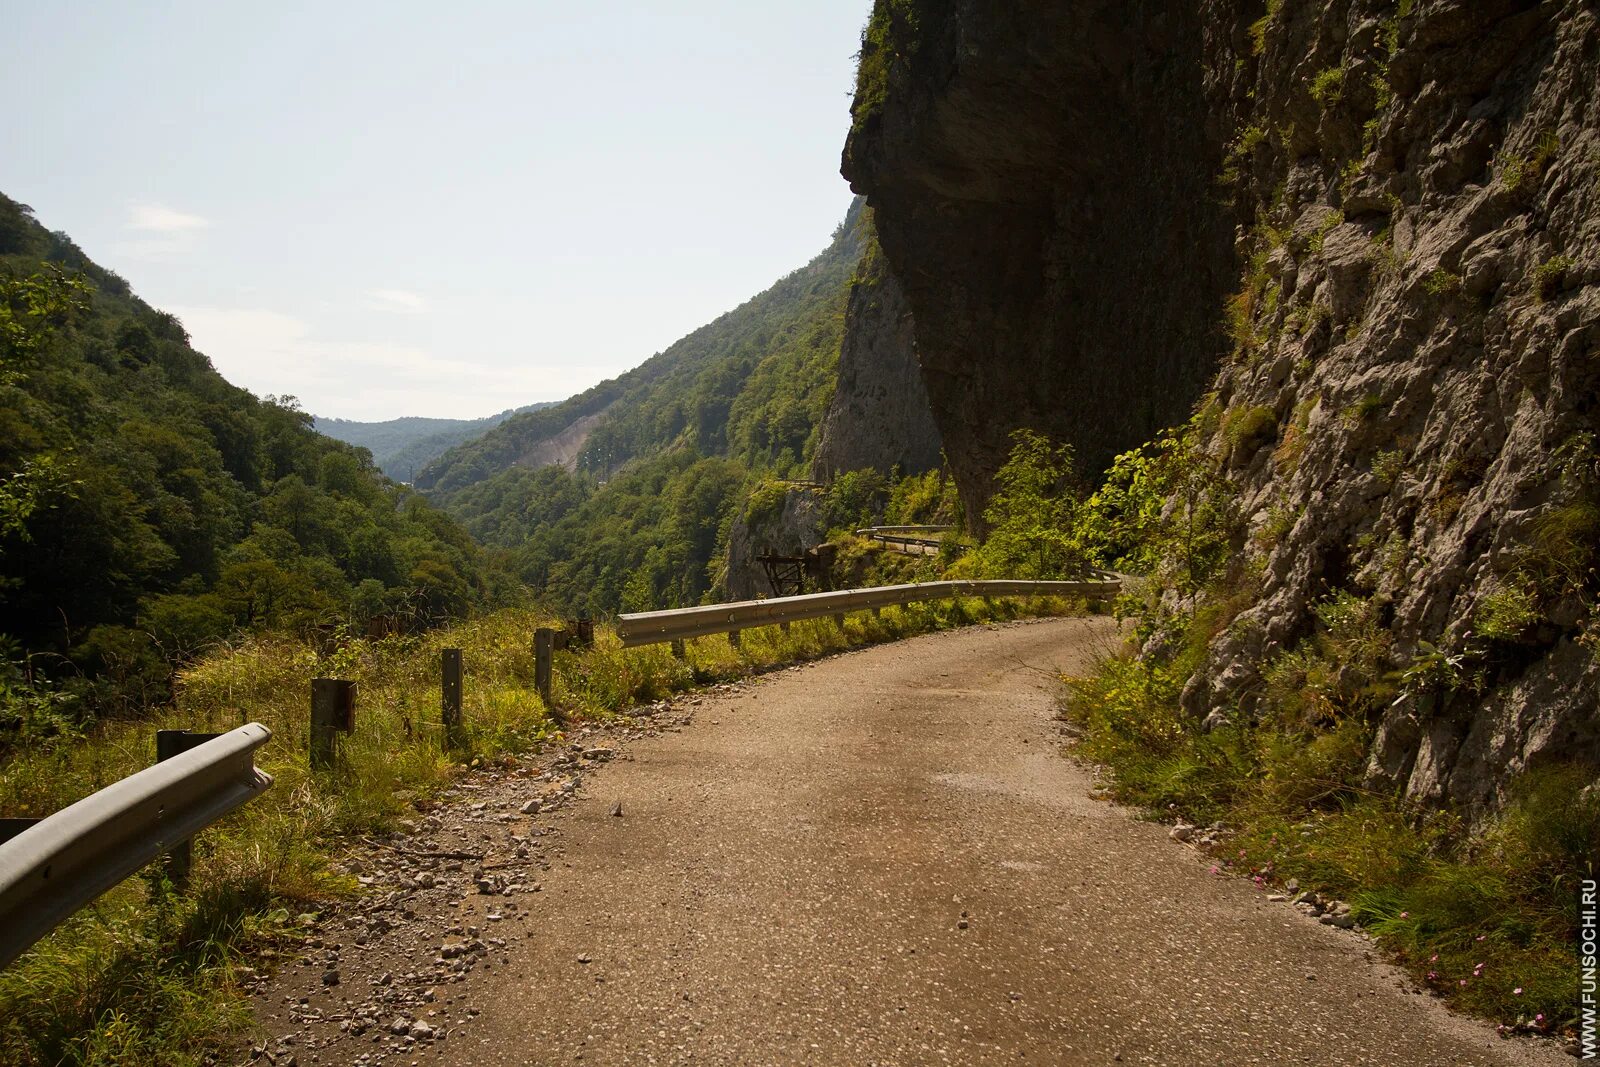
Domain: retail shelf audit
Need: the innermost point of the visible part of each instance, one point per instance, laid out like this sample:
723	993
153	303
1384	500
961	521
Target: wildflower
1539	1018
1463	981
1433	975
1482	936
1517	991
1407	915
1433	958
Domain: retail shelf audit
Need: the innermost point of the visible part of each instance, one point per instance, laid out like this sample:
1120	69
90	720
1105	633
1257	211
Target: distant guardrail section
678	624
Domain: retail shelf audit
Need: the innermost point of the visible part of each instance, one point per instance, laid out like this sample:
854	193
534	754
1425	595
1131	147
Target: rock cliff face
879	416
1392	210
1037	173
786	526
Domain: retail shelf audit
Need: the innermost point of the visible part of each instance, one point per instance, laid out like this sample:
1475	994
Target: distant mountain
402	447
750	386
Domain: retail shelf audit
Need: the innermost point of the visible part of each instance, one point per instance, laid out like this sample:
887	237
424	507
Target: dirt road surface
883	858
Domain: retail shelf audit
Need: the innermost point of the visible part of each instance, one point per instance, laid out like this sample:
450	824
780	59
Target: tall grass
146	975
1488	920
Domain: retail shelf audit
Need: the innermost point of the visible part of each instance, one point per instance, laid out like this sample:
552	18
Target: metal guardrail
63	862
652	627
872	531
903	537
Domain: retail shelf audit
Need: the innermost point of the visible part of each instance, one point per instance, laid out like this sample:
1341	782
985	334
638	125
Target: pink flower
1539	1018
1517	991
1432	975
1463	981
1433	958
1482	936
1405	915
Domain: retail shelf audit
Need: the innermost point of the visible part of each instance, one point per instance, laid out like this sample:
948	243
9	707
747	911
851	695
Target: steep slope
401	447
147	507
1369	229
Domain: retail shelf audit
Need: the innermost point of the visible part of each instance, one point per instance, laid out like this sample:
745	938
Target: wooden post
585	632
450	692
333	710
838	620
180	856
877	613
784	626
544	641
677	648
733	638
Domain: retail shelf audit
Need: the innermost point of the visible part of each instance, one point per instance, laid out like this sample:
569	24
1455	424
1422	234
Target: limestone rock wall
879	416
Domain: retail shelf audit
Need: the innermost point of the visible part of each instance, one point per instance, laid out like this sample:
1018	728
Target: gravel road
882	858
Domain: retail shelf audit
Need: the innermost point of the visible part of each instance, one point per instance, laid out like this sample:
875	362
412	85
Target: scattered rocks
616	809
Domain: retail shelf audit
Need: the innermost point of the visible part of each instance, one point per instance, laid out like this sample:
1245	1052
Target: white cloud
162	219
400	300
164	234
267	351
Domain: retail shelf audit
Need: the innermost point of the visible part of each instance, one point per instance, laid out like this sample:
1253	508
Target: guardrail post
333	710
733	638
585	632
784	626
544	641
838	620
877	613
678	649
450	692
180	857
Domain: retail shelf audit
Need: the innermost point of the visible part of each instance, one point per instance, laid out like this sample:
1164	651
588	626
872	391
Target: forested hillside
402	447
674	447
147	507
751	385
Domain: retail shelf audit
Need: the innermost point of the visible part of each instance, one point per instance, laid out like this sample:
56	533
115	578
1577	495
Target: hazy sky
432	208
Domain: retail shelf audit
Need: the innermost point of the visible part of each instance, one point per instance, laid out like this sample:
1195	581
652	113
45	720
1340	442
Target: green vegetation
146	976
1247	429
148	509
1387	466
1031	516
1441	282
1239	153
1260	27
1516	171
1327	88
889	39
1324	227
1550	276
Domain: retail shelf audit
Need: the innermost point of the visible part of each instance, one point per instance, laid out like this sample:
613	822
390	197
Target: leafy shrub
1550	276
1328	87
